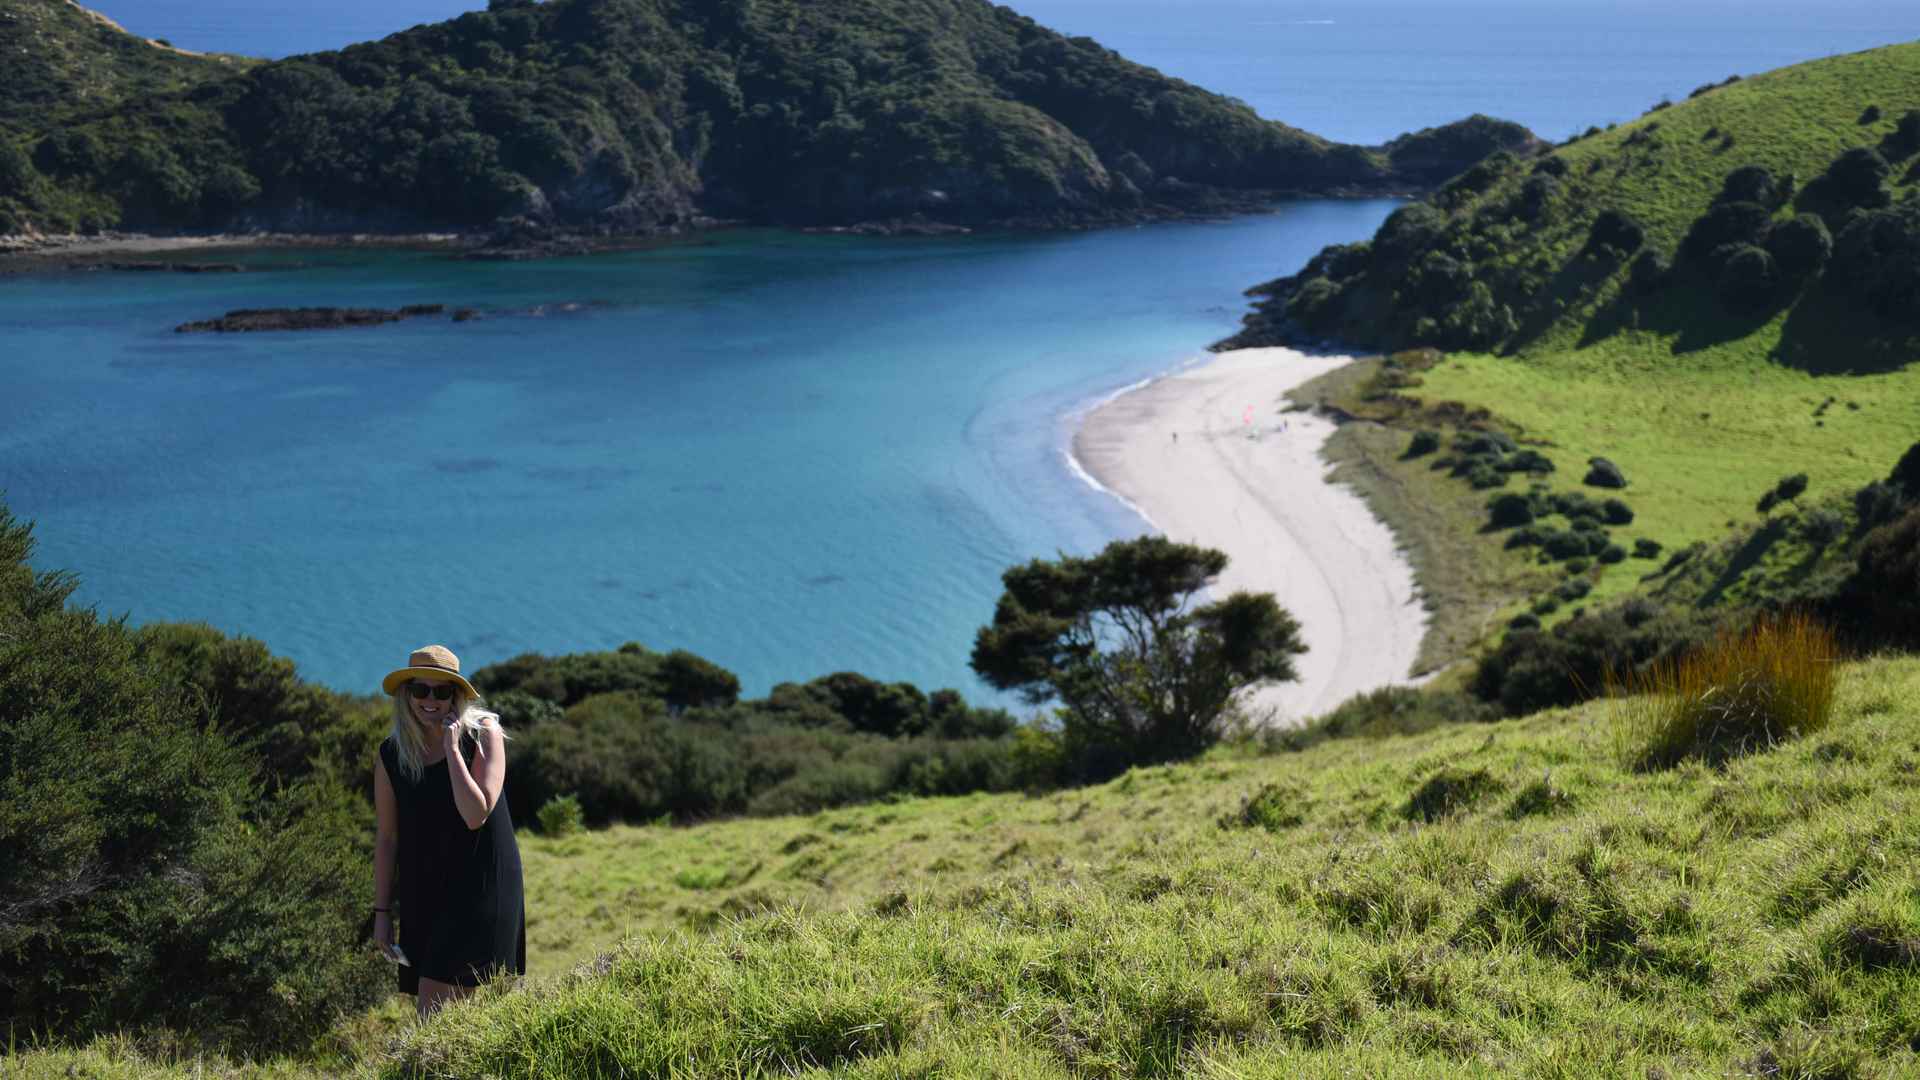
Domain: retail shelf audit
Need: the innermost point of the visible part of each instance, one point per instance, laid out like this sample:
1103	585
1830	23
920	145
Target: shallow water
790	454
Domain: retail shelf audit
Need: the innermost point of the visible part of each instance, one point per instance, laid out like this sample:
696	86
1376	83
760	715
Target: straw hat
430	662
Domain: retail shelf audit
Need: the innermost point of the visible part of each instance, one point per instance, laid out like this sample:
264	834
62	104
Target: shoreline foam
1260	494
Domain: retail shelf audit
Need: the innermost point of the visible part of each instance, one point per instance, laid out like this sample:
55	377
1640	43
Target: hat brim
393	682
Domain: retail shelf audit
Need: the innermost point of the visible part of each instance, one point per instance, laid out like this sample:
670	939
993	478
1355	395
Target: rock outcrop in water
308	318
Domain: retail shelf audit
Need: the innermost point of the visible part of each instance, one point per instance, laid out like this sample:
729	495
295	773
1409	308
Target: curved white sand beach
1233	480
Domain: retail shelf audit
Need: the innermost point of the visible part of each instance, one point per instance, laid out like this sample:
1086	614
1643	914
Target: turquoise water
790	454
1355	70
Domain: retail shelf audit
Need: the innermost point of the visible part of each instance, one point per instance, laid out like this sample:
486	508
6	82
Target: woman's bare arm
386	844
476	790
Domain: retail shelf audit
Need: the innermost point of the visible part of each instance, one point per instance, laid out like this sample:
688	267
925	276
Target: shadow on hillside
1686	310
1745	559
1573	284
1822	317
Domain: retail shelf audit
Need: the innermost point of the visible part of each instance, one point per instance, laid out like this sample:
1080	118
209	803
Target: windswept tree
1142	674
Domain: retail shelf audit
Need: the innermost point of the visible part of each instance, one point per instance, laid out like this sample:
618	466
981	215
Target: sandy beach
1203	455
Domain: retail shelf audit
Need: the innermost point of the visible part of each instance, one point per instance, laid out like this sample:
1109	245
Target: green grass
1481	899
1699	445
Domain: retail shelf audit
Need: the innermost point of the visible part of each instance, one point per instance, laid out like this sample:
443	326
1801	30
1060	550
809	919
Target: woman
444	859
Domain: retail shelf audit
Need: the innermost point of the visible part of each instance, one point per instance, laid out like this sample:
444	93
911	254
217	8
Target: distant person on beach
444	847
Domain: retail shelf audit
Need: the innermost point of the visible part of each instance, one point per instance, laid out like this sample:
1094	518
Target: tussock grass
1744	693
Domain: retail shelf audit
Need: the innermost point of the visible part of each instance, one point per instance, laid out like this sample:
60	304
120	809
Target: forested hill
628	116
1776	216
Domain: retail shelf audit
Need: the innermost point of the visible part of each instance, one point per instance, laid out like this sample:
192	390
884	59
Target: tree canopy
1141	672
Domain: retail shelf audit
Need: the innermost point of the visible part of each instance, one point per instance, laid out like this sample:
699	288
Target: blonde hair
410	746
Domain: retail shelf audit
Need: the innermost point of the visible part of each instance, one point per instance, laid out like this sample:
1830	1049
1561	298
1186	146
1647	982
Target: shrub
1535	195
1644	548
1885	586
1563	545
1554	165
1604	473
1858	177
1527	461
1650	272
1906	473
1801	245
1533	669
561	816
1616	512
1483	476
1724	224
1748	278
146	878
1750	184
1274	807
1611	554
1877	254
1743	693
520	710
1579	564
1526	620
1615	231
1573	589
1423	442
1905	140
1508	510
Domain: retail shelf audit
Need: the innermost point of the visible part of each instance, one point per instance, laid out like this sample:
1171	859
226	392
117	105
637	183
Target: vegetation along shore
574	121
1645	418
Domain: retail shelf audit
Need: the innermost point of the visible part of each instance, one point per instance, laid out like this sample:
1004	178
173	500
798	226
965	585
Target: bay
790	454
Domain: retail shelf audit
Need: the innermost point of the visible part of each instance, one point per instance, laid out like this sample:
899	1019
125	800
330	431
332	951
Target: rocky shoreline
251	320
521	239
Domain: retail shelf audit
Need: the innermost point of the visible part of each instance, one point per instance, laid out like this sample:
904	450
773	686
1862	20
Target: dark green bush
1750	184
1724	224
1749	280
1532	670
1644	548
1536	195
1486	476
1527	461
688	681
1800	246
1551	165
1877	258
520	710
1578	565
1611	554
1563	545
1858	177
1649	272
1604	473
146	878
1617	232
1526	620
1508	510
1905	140
1573	589
1423	442
1616	512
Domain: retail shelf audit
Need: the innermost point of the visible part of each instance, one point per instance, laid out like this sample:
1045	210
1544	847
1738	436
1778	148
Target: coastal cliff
632	117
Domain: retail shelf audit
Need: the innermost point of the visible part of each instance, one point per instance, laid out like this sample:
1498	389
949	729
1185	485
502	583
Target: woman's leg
434	994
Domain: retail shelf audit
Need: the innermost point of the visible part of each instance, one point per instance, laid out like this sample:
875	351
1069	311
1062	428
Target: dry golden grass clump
1746	692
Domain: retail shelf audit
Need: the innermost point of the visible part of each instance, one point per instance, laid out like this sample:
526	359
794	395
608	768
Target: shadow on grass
1750	553
1823	317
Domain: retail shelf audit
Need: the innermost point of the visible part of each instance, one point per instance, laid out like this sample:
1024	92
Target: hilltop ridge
635	116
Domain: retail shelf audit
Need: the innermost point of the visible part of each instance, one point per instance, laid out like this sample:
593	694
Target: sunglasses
440	691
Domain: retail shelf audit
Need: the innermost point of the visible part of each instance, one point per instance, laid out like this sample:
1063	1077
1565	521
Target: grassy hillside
638	115
1484	899
1634	295
63	61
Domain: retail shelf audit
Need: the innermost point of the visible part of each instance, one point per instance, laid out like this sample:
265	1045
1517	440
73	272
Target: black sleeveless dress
458	890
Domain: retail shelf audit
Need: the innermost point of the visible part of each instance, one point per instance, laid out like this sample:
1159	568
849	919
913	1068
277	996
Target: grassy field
1498	899
1699	446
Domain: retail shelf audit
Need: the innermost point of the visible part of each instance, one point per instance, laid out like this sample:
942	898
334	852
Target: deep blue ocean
790	454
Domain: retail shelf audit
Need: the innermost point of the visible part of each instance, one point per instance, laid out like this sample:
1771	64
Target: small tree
1142	675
